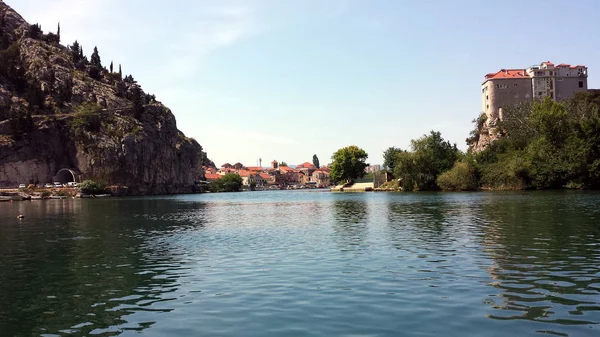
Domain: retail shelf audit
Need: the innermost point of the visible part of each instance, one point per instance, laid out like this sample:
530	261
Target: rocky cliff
59	110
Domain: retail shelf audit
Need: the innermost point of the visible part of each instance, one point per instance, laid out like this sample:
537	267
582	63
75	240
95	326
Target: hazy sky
284	80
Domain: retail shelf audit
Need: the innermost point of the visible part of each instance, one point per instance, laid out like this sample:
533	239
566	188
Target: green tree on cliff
349	163
95	58
137	98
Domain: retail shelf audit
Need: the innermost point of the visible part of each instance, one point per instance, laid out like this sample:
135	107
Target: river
303	263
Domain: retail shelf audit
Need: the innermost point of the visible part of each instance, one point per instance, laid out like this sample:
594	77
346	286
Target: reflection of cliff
545	255
91	261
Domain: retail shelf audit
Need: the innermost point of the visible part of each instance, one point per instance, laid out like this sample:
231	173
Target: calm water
303	263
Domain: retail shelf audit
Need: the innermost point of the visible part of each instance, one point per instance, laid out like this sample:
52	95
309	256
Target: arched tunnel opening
64	176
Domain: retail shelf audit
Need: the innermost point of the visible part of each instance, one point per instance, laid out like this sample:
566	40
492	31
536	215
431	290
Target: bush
92	187
461	177
230	182
87	118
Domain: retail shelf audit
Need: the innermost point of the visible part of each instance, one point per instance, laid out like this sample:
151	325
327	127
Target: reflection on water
303	263
545	259
350	222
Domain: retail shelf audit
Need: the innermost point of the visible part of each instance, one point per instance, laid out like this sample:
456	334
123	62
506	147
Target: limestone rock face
88	123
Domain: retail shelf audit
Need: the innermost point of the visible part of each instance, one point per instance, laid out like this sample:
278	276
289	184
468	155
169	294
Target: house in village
303	174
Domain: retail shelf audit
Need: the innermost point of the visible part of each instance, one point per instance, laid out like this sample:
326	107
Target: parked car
48	185
57	184
72	184
21	186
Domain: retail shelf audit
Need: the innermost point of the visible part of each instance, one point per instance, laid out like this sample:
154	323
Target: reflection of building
513	86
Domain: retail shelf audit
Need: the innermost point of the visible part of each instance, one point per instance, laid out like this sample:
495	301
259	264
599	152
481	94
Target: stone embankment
356	187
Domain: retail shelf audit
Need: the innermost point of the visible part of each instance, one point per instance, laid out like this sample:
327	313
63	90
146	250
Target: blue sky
284	80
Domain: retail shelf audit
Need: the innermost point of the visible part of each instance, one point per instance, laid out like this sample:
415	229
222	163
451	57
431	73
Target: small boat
58	197
36	197
94	195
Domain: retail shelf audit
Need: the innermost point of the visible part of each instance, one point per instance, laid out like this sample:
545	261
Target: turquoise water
303	263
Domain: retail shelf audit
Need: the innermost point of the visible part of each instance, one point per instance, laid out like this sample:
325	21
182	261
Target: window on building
487	106
581	84
516	84
487	97
540	93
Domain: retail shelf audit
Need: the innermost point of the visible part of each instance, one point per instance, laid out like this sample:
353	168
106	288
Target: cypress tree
111	67
95	58
58	32
75	51
120	72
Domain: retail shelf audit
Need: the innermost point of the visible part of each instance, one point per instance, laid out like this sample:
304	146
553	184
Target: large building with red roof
513	86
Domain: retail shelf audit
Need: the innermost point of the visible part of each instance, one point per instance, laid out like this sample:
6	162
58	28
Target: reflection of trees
84	265
350	221
425	219
544	251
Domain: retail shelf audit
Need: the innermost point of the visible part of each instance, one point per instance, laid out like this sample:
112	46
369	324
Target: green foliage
35	32
35	96
430	155
88	117
92	187
63	92
95	58
316	161
349	163
137	99
230	182
11	68
75	51
389	158
461	177
283	164
52	38
476	132
546	144
20	123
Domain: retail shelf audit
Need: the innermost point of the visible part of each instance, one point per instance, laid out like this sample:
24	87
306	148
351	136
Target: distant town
279	175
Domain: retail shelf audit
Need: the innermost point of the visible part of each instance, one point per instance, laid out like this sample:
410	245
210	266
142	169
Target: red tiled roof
507	73
286	169
264	176
212	176
563	65
244	173
254	168
305	165
548	63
